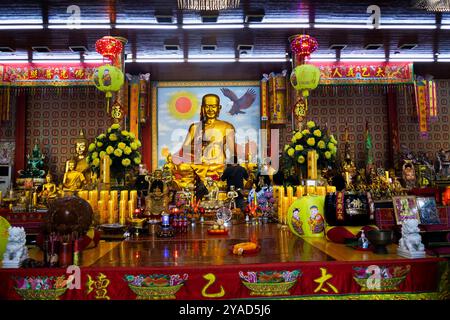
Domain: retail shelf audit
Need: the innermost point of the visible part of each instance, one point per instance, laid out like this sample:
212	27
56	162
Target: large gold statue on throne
206	147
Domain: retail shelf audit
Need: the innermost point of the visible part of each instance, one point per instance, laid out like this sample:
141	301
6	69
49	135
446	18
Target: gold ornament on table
79	158
73	180
49	190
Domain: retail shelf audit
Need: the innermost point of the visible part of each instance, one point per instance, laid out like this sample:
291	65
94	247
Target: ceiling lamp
433	5
207	5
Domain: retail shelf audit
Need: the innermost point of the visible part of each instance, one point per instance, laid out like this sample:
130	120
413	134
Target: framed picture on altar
427	210
176	105
405	207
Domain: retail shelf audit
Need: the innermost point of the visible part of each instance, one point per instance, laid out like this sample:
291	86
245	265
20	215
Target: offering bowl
380	239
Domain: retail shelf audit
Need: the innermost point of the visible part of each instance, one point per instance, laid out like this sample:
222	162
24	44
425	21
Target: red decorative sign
365	72
34	75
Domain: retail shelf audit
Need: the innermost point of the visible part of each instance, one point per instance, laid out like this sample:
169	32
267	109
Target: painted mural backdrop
179	107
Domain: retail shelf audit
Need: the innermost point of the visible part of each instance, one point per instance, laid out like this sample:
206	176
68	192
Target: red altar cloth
224	282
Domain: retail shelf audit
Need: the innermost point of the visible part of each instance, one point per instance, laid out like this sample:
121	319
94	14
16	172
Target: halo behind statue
69	215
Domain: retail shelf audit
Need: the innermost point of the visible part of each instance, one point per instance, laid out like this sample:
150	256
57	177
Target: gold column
312	165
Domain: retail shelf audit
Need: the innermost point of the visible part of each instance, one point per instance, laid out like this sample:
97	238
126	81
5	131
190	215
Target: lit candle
312	164
387	175
124	195
106	169
122	212
111	215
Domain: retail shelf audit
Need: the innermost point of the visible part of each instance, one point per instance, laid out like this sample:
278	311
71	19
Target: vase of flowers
311	138
121	146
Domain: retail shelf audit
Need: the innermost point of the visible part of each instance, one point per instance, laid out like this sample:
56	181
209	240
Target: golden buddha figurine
169	165
81	164
206	145
49	190
73	180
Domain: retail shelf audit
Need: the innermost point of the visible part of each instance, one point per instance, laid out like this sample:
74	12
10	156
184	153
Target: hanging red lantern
302	45
109	47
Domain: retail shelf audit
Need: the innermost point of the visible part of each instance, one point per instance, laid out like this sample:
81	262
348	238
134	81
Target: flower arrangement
122	147
310	138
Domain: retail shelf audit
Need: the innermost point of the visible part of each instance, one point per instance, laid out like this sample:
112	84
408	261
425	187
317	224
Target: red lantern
302	45
109	47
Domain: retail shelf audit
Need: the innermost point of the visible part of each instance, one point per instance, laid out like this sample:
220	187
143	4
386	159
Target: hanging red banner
365	72
34	75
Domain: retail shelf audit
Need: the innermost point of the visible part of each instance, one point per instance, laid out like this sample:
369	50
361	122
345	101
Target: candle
387	175
93	196
131	207
111	213
133	197
321	191
286	208
34	199
11	194
83	194
347	178
310	190
114	194
300	191
122	212
290	193
124	195
104	195
312	164
106	169
331	189
1	197
101	208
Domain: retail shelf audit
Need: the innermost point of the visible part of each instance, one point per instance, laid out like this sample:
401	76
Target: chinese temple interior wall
354	107
55	119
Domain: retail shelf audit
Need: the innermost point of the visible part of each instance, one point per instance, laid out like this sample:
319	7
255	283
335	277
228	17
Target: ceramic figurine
16	251
410	244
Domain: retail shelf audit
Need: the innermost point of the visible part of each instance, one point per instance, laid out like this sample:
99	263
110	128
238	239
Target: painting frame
405	207
428	211
155	89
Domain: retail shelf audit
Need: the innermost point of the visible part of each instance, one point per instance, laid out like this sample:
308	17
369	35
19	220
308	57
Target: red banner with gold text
54	74
336	73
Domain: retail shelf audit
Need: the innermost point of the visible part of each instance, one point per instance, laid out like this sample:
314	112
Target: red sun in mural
183	105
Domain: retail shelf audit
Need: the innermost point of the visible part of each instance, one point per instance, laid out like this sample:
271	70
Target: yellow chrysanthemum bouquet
122	147
311	138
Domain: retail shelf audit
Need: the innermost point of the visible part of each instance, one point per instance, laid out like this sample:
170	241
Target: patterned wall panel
55	119
336	109
439	130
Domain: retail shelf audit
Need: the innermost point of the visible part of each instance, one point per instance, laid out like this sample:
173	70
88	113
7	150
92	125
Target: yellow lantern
108	78
306	216
304	78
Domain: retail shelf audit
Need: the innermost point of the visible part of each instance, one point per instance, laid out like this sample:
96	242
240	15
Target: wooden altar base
211	271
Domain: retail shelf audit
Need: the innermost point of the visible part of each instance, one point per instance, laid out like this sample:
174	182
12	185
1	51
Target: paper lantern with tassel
108	79
304	78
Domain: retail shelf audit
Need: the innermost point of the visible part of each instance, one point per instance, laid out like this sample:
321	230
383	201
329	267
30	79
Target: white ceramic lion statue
16	251
411	240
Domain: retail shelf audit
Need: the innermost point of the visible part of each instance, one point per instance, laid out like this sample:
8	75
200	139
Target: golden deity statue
207	145
49	190
73	180
81	164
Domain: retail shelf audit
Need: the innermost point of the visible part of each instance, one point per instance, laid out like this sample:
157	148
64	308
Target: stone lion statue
16	250
411	239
